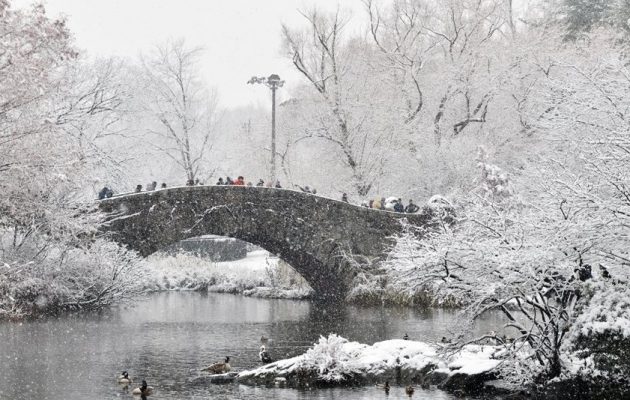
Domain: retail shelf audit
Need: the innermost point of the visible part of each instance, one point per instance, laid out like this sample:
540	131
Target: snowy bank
257	275
336	361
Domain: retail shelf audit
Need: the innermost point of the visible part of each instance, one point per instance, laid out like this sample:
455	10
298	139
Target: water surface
167	337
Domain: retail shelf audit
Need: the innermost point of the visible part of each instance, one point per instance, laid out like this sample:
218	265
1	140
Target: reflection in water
169	337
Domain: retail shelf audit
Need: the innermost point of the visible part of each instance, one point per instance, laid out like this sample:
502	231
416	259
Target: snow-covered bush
332	359
599	344
69	278
493	181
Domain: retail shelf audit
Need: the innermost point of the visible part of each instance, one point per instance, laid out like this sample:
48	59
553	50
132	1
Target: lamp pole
273	82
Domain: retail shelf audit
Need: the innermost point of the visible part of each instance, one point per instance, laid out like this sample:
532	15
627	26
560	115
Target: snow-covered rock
337	361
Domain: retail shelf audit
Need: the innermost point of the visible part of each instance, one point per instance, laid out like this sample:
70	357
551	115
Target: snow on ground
472	360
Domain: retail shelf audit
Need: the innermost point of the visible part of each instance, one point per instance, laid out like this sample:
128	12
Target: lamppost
273	82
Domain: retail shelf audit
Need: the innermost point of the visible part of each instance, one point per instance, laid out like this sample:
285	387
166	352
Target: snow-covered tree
544	250
181	109
49	118
344	112
529	261
583	15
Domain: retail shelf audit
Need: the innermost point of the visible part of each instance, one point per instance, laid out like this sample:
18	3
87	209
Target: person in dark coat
138	188
163	186
398	207
344	198
411	207
278	186
220	182
260	183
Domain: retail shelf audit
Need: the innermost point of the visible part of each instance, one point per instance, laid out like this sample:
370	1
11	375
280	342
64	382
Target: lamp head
274	80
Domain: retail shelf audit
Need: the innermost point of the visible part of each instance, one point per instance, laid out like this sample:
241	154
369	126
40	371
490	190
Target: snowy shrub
367	289
493	181
440	210
332	359
600	338
607	311
68	278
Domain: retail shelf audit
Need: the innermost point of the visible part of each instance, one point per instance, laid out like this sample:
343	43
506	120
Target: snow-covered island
335	361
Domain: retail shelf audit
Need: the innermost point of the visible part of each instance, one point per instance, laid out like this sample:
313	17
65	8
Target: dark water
168	337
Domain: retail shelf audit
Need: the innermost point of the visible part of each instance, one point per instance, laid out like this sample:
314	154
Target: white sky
241	37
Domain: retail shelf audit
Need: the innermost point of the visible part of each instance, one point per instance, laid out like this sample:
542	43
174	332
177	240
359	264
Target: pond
168	337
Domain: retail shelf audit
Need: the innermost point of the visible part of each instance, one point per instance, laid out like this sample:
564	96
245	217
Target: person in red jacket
240	181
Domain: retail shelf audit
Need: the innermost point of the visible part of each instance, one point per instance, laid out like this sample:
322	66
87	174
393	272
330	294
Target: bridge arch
311	233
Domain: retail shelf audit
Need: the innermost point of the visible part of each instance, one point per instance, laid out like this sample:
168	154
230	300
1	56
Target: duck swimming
124	378
219	368
143	390
264	356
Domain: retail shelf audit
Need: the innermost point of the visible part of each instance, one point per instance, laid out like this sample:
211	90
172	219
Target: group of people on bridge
150	187
388	204
240	181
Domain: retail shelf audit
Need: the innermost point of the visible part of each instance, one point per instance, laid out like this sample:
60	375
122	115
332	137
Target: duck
220	367
409	390
124	378
264	356
143	390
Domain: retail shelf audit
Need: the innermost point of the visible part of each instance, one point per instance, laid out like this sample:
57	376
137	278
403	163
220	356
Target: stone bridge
327	241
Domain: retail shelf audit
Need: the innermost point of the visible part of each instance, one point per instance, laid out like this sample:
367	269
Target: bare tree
452	34
182	106
320	53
